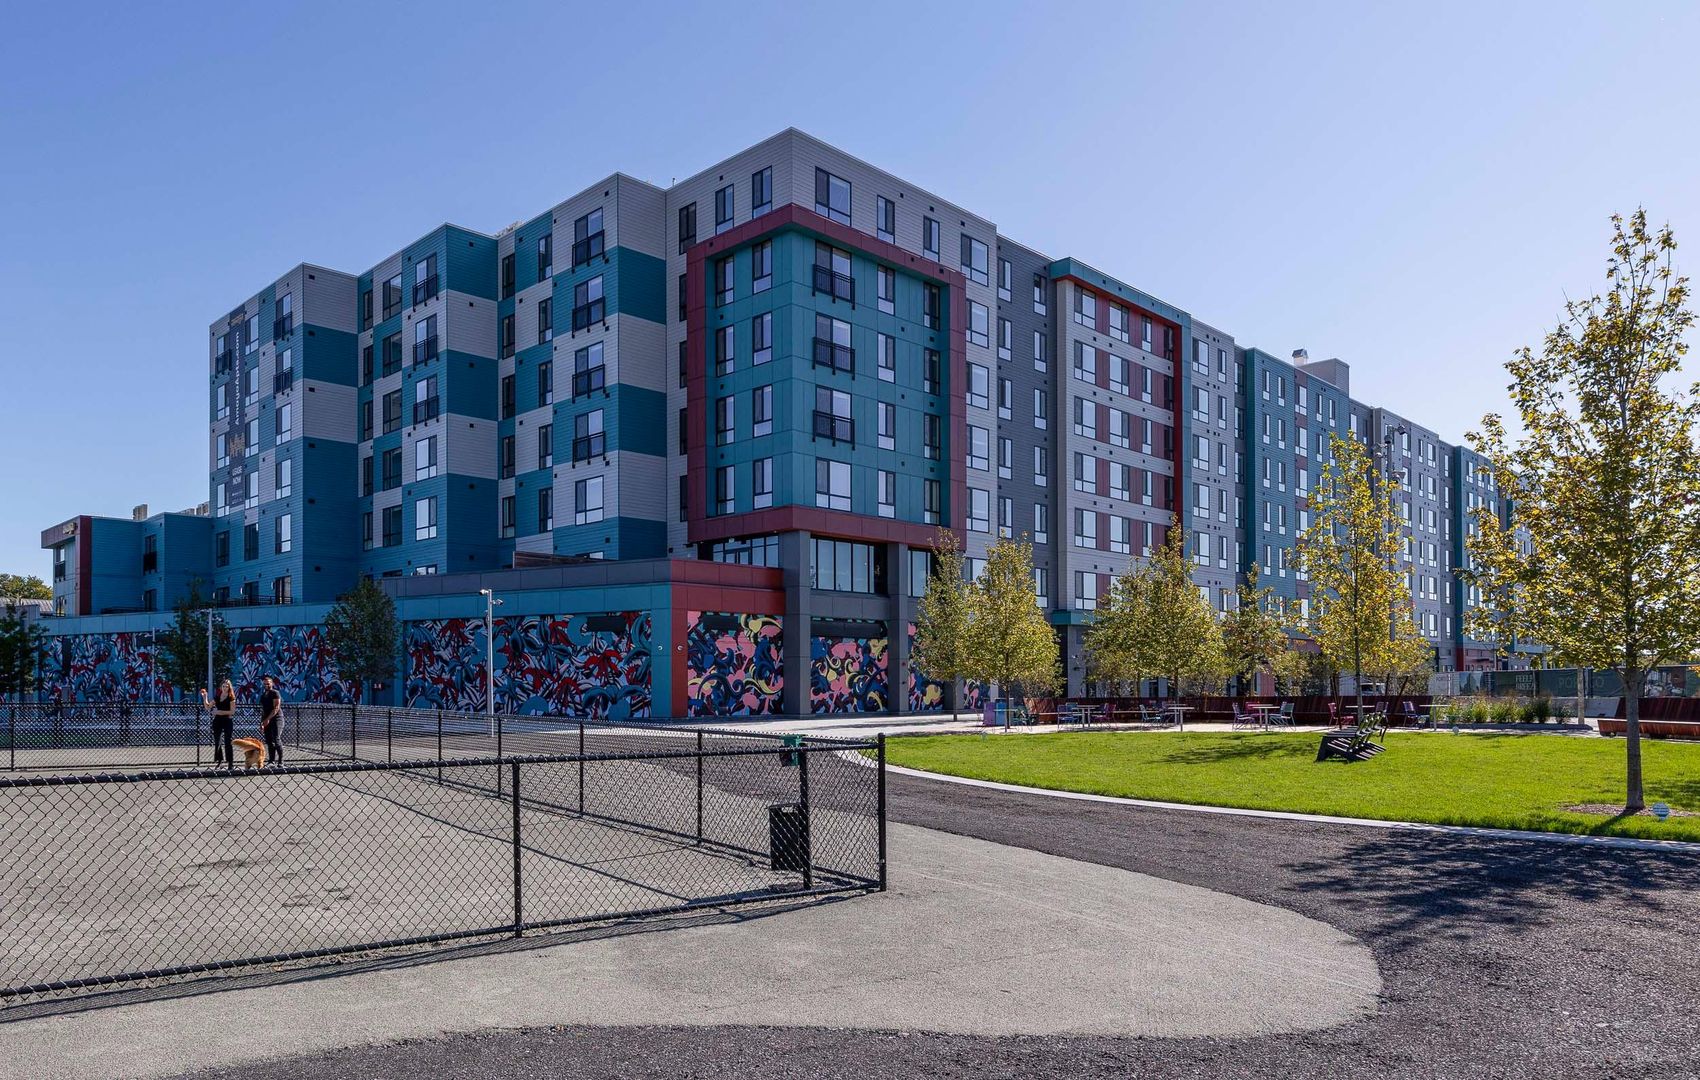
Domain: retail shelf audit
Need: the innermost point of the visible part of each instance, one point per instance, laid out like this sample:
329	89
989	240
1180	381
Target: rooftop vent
139	513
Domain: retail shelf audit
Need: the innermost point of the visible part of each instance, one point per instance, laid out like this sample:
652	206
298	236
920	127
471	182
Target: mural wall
120	667
735	664
575	665
297	657
848	673
925	695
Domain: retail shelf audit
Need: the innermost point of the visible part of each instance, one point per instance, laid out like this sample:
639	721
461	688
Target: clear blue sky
1413	189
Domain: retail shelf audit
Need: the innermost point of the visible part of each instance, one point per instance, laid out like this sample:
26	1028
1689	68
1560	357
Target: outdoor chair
1353	744
1244	721
1284	716
1408	712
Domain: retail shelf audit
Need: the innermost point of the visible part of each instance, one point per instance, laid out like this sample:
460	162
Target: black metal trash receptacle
788	837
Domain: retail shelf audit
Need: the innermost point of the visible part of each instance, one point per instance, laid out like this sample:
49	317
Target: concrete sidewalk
973	938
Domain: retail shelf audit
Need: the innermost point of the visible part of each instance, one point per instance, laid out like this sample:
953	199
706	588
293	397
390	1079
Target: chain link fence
388	828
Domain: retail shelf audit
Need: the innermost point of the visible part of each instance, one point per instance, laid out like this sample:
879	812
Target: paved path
975	939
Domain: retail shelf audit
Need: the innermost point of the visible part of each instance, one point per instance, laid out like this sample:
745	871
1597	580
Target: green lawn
1500	781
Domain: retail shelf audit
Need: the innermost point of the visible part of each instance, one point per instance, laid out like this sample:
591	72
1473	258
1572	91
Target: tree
1360	598
20	587
1009	641
941	618
1254	633
21	646
1155	624
1601	560
181	648
364	635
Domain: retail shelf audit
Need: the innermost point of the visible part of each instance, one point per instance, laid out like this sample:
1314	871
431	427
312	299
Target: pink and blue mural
568	665
847	674
925	695
121	666
298	657
735	664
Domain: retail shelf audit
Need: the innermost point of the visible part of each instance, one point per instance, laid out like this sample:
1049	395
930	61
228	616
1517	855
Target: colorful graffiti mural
735	664
102	667
571	665
297	657
925	695
848	674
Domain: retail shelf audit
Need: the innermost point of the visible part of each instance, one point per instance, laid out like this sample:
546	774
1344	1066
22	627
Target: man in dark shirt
271	721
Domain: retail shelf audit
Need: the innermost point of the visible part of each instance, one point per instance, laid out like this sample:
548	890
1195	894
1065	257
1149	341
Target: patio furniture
1353	744
1246	720
1408	712
1284	716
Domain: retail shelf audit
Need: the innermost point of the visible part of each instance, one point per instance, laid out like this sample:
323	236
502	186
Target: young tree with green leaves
181	649
1601	563
1155	624
941	618
1253	633
1360	598
21	587
364	635
21	645
1009	640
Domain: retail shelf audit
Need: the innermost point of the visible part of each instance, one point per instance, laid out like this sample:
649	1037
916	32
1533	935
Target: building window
589	307
724	284
979	448
221	401
979	327
725	420
426	403
1086	363
546	382
723	209
932	502
687	227
509	397
761	411
392	354
762	482
366	475
846	566
1040	468
425	280
424	458
545	509
251	335
761	267
1004	276
1040	305
885	219
930	237
587	500
932	376
1006	334
545	256
283	478
887	413
761	191
725	349
507	275
222	458
974	258
1006	517
725	490
832	273
832	416
284	380
589	372
1006	458
1041	408
979	511
392	468
979	386
507	336
506	452
284	540
589	241
392	526
250	542
509	518
251	443
545	320
251	387
365	309
761	338
832	344
885	357
546	446
1041	351
932	436
588	438
832	484
832	196
366	530
885	285
887	494
930	305
392	297
221	549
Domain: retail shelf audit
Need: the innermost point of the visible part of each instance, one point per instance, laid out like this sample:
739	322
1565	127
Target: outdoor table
1430	709
1263	712
1180	712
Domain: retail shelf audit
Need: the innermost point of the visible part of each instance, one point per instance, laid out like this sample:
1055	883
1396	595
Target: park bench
1353	743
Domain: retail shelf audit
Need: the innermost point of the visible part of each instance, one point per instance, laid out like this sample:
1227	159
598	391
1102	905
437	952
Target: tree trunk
1634	682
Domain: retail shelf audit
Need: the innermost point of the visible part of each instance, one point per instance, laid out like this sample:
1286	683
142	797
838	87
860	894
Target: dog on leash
253	752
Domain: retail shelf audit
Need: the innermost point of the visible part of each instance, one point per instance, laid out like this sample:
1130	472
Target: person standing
271	721
223	709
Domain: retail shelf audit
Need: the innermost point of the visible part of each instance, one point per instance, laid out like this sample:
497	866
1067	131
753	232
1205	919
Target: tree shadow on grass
1248	748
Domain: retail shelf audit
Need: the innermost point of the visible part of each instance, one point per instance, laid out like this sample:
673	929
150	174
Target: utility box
788	756
788	837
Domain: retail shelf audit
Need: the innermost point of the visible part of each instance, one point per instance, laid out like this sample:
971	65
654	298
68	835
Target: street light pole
490	603
212	690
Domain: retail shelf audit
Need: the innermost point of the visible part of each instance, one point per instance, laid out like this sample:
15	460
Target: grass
1510	781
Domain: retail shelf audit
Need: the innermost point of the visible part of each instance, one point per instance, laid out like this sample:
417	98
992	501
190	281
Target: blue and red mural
925	695
298	657
735	664
848	673
571	665
102	667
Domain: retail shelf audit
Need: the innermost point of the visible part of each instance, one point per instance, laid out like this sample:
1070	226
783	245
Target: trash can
788	837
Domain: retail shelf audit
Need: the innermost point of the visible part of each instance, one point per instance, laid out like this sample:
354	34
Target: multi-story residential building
763	390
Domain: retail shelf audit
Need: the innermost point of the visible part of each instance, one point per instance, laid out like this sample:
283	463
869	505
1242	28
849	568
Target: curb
1621	843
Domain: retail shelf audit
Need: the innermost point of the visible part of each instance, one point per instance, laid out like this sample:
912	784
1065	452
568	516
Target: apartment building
795	367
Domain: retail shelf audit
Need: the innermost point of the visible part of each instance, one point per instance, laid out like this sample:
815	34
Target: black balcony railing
835	356
282	328
587	315
425	351
588	380
588	248
224	361
427	409
283	380
586	447
837	428
425	290
838	286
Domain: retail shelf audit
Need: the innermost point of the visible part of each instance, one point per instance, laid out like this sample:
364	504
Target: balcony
587	315
588	248
834	356
425	351
588	380
836	285
586	447
425	290
428	409
282	328
283	381
840	429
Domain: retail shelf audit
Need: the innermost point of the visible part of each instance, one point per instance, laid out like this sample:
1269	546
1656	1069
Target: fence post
389	734
519	910
321	731
439	745
803	797
353	719
12	733
581	768
880	740
699	787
